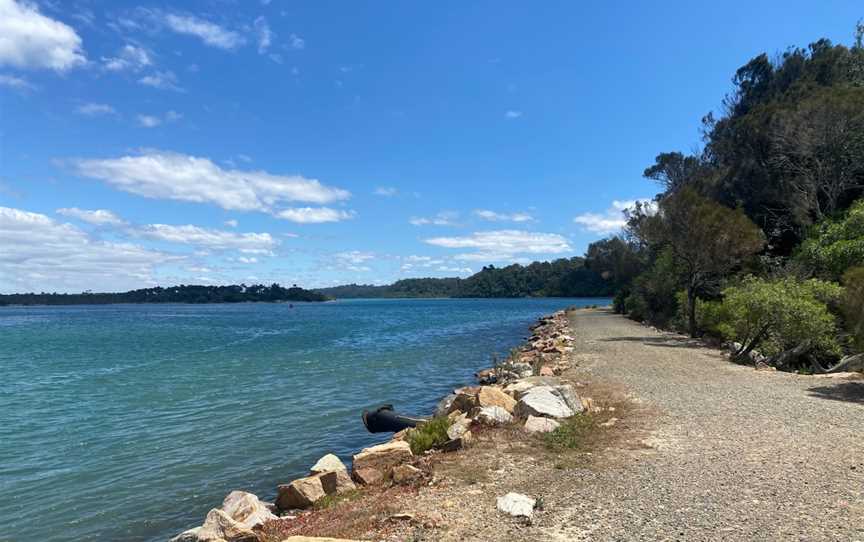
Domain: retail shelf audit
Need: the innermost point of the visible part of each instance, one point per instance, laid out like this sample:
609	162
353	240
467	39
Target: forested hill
559	278
175	294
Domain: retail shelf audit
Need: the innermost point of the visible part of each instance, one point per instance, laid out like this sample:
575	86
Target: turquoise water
129	422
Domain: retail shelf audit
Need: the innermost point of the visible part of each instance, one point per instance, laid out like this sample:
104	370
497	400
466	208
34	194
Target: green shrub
652	297
836	245
428	435
571	434
775	316
852	304
709	314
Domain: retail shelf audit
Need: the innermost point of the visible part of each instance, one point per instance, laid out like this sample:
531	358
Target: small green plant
571	434
329	501
428	435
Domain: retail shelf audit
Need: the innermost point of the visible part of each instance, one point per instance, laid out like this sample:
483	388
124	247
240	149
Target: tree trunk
691	310
784	360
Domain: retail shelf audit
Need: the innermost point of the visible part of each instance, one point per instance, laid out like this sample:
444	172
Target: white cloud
386	191
513	114
503	244
39	253
95	110
492	216
264	34
244	259
169	175
413	261
130	57
459	270
355	256
611	220
206	238
444	218
231	223
314	215
16	83
100	217
151	121
162	80
210	33
31	40
296	42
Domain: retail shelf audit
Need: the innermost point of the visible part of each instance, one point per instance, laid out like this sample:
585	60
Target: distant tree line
565	277
175	294
758	238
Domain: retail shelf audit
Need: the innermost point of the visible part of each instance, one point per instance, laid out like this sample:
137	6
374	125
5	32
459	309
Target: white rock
540	425
542	401
494	415
328	463
517	505
246	509
570	397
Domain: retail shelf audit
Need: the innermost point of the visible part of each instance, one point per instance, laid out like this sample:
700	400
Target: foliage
652	295
836	245
428	435
572	434
565	277
175	294
852	304
617	260
776	316
705	239
709	314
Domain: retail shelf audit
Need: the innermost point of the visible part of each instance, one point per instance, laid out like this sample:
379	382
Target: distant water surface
129	422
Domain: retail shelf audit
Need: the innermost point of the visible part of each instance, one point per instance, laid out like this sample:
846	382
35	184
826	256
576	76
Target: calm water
130	422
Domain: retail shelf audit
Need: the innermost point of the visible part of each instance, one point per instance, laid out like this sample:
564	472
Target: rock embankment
524	389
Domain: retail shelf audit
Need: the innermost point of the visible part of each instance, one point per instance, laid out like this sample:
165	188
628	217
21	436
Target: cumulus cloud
31	40
444	218
251	243
355	256
152	121
502	245
210	33
100	217
314	215
168	175
129	57
492	216
264	34
95	109
611	220
296	42
458	270
513	114
232	223
162	80
39	251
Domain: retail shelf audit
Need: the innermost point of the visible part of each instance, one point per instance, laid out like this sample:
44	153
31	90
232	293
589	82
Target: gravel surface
735	454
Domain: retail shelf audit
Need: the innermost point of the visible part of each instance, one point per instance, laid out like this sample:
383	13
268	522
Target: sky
323	142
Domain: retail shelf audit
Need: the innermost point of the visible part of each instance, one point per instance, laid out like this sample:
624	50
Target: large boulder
494	415
218	527
406	474
304	492
445	406
331	463
246	509
569	396
542	402
489	396
382	457
458	426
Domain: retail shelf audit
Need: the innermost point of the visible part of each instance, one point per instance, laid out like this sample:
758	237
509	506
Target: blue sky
322	142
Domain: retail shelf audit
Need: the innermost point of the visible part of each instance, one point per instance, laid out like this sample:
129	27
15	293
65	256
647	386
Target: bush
652	297
428	435
852	304
709	314
776	316
836	245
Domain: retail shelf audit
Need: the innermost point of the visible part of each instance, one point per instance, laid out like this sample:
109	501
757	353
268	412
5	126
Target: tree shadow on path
851	392
666	342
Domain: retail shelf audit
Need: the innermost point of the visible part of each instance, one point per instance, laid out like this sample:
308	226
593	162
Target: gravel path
734	454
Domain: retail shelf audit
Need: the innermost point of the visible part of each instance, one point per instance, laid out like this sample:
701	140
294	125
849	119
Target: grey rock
517	505
542	402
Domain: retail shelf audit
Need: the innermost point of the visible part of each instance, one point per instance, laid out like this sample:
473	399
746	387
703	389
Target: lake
129	422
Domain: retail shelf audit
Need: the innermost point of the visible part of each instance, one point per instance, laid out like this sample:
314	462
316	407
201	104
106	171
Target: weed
572	433
328	501
428	435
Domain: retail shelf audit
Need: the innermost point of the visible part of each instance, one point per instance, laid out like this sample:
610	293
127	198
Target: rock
609	423
547	371
489	396
459	443
405	474
540	425
544	381
383	457
486	376
517	389
588	404
218	527
458	427
331	463
494	415
297	538
569	396
368	476
523	370
542	401
445	405
304	492
517	505
466	399
246	509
